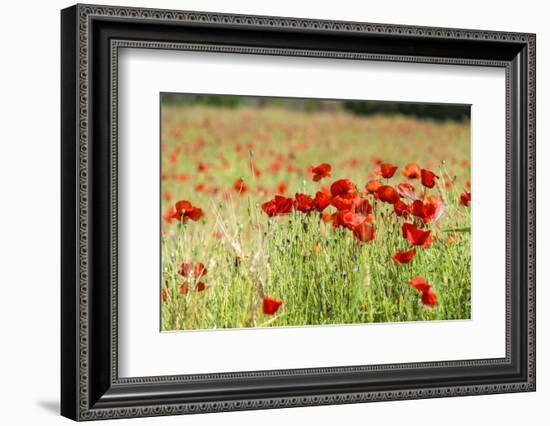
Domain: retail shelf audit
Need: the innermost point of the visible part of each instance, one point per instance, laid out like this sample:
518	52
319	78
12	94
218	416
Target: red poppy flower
184	211
387	170
428	178
342	186
198	270
279	206
281	188
284	205
321	171
403	256
186	268
240	186
414	235
401	209
304	203
417	208
351	220
465	198
411	171
270	208
430	212
344	201
321	201
183	288
420	284
373	185
169	214
364	232
200	286
388	194
429	298
347	219
271	305
427	211
361	205
406	190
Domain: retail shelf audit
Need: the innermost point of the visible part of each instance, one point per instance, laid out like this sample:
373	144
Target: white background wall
29	212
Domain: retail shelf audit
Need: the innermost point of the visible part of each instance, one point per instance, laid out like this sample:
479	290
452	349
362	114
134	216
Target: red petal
269	208
271	305
321	201
411	170
304	203
199	270
342	202
240	186
406	190
428	178
284	205
351	220
194	213
403	256
465	198
388	194
387	170
414	235
373	185
364	232
401	209
362	205
420	284
429	298
183	205
186	268
341	186
321	171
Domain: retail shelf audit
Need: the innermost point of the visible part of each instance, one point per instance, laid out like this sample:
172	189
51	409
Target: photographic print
280	212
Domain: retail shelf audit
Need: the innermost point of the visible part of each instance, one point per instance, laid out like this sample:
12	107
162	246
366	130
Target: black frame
91	37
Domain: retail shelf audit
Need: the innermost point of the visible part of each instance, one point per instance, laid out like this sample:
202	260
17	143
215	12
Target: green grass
323	274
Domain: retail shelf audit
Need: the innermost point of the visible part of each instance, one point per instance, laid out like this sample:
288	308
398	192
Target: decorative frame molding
91	38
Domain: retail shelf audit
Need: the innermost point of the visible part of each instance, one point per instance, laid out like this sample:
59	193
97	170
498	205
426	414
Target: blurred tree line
421	110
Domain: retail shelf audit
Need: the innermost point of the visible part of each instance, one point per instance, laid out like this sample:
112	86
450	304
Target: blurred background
415	109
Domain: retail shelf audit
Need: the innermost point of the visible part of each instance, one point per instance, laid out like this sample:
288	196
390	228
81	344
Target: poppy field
290	214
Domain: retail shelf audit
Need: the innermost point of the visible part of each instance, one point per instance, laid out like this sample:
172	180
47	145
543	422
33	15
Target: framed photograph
263	212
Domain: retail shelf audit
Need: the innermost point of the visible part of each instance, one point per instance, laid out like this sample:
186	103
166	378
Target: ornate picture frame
91	37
